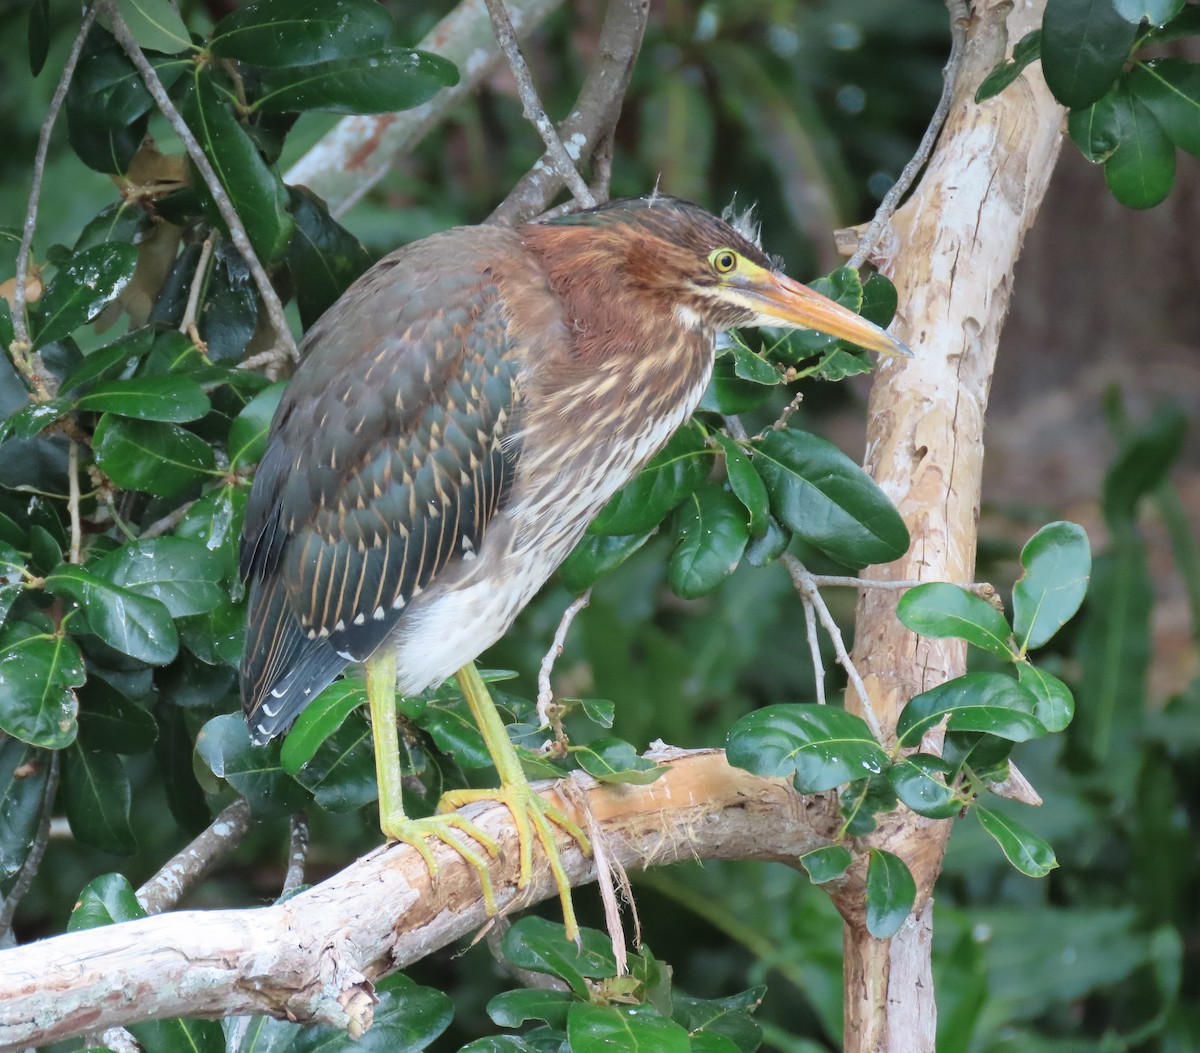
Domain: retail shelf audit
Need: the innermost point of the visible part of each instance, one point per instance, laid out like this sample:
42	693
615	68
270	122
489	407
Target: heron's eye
724	261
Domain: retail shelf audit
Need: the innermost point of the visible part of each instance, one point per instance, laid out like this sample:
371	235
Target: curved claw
532	814
447	829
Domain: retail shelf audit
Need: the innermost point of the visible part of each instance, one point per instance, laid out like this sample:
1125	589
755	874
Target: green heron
458	418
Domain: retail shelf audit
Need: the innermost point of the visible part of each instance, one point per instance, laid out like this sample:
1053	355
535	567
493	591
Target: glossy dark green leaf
177	399
121	221
34	418
181	573
1084	45
728	1018
840	363
320	719
595	556
1142	463
341	773
37	674
985	755
159	458
96	798
746	483
81	289
105	900
988	702
24	771
729	394
666	481
598	710
254	771
615	760
155	24
817	491
218	636
541	946
863	800
256	190
107	90
1057	562
323	257
629	1028
770	546
1028	49
215	521
454	731
826	864
919	781
173	754
1141	171
110	721
117	359
514	1008
38	36
1024	849
752	367
108	150
229	313
713	532
879	299
1096	129
136	625
180	1035
508	1044
406	1020
390	79
891	892
940	609
301	32
248	433
1055	703
819	746
844	287
1170	90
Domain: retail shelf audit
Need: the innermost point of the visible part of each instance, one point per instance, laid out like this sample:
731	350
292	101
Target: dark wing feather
390	452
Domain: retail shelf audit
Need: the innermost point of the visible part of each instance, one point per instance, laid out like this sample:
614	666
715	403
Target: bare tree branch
313	957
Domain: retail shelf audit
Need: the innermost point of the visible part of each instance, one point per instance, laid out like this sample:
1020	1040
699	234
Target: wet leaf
81	289
891	892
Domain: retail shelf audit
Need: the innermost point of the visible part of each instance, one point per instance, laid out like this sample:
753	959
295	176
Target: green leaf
323	256
729	394
1097	129
450	725
614	760
595	556
1028	49
916	782
1084	45
24	772
826	864
182	574
136	625
817	491
97	797
666	481
155	24
390	79
891	893
879	299
301	32
159	458
770	546
542	947
121	221
37	673
820	746
120	357
407	1019
107	91
844	287
318	720
34	418
179	1035
173	398
861	801
248	433
1141	171
713	533
1023	849
257	192
940	609
985	755
746	483
1142	464
1055	704
514	1008
598	710
341	773
752	367
631	1029
87	283
1170	90
988	702
254	771
110	721
1056	562
38	38
173	754
728	1018
229	314
215	521
105	900
108	150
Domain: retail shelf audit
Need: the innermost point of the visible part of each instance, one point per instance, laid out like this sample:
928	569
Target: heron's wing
392	449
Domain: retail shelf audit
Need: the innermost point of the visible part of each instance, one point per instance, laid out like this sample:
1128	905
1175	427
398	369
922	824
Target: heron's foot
453	831
533	816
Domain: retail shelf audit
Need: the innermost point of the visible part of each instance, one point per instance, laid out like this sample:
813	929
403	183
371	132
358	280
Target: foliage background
811	109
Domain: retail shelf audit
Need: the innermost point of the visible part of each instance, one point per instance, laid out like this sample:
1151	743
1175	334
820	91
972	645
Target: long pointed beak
783	301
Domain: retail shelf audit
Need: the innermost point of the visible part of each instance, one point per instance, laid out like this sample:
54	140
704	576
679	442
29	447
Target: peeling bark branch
313	957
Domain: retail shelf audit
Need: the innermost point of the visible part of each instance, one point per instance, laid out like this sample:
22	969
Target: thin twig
237	232
535	113
735	427
984	589
184	870
73	499
297	852
20	329
814	648
547	712
168	522
806	586
33	859
187	324
959	18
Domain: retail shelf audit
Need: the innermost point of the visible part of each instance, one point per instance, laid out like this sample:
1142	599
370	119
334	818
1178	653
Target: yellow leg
449	829
531	812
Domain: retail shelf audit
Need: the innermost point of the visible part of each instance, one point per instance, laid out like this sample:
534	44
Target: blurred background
810	109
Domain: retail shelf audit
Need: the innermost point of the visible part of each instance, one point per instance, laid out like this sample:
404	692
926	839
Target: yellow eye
724	261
